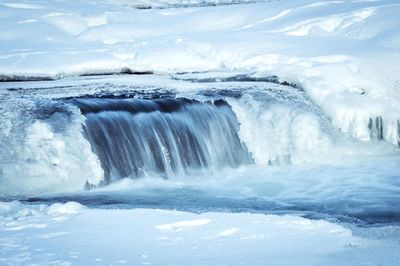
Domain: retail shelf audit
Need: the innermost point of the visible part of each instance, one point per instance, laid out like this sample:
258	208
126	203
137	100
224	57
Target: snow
306	42
34	234
342	58
16	211
48	159
67	208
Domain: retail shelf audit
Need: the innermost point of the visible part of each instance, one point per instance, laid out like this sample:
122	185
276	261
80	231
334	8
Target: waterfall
169	136
56	139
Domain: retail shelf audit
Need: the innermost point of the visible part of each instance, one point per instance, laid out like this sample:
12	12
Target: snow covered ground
69	234
344	53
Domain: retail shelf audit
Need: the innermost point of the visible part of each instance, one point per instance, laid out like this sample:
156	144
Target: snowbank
145	236
17	211
344	53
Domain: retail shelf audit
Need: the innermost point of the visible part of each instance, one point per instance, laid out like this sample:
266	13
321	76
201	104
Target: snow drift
345	54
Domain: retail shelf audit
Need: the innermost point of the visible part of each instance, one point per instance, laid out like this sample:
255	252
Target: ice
281	133
67	208
181	225
45	149
171	237
15	210
306	42
43	157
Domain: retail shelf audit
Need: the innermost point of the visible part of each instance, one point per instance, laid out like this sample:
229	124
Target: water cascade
169	136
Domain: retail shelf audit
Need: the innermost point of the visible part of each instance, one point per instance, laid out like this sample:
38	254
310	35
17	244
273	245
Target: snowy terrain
344	53
204	132
68	234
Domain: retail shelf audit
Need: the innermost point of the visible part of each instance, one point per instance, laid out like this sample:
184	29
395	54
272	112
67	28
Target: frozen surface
344	53
65	234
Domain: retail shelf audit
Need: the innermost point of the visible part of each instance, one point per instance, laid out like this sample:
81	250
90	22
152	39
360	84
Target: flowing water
238	145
